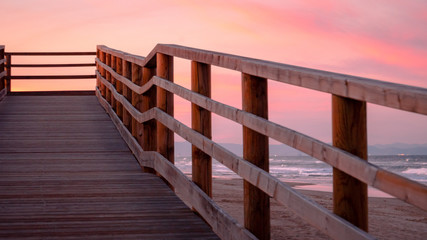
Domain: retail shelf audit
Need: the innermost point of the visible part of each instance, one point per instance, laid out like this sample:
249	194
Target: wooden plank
84	194
404	97
119	87
51	53
133	87
48	77
255	150
144	159
54	65
113	80
149	98
335	157
52	93
136	100
3	93
101	70
165	137
108	77
8	72
127	93
2	73
222	223
316	215
319	217
201	121
349	132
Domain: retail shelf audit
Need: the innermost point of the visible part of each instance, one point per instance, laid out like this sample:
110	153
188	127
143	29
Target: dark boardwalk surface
66	173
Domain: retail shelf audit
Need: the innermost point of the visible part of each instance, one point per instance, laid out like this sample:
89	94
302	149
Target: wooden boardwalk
65	172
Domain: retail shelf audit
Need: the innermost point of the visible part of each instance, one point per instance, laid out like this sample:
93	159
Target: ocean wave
417	171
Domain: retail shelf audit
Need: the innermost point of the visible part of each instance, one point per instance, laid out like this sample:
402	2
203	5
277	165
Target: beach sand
389	218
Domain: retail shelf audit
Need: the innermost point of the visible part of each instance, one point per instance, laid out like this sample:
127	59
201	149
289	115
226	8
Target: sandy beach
389	218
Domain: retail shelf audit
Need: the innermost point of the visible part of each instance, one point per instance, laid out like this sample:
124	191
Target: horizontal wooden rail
325	221
53	65
50	53
223	224
9	66
53	77
3	93
404	97
407	190
111	83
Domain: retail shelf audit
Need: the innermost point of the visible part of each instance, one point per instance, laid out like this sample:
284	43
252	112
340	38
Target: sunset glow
385	40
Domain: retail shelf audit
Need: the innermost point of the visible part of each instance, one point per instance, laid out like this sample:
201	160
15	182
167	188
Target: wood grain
165	137
349	133
222	224
50	77
255	151
201	121
136	100
127	93
54	65
404	97
313	213
92	189
51	53
411	191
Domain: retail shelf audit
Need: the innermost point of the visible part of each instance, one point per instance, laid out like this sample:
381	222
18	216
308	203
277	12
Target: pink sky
385	39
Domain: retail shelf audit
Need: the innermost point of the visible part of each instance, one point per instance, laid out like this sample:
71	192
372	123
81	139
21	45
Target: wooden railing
137	92
6	58
3	84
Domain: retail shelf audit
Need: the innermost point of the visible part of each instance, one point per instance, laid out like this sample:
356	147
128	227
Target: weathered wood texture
47	77
406	190
54	65
222	224
65	172
323	220
404	97
51	53
201	121
408	98
255	150
349	132
165	137
8	72
2	69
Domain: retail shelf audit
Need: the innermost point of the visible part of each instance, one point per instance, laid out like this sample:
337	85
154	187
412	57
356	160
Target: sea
317	174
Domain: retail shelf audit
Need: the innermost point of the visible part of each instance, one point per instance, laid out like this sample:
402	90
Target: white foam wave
417	171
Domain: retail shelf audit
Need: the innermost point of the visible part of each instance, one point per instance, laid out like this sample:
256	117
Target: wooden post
108	77
119	85
127	73
165	137
149	100
97	68
2	68
113	82
9	72
350	197
102	72
255	150
136	98
202	123
148	141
